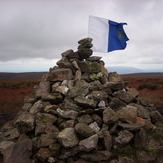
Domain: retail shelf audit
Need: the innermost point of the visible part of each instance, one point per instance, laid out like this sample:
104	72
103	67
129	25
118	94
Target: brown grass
149	88
12	93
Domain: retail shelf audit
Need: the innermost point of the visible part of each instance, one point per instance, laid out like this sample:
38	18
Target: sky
34	33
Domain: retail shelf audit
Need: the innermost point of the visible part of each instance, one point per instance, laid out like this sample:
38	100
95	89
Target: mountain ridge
38	75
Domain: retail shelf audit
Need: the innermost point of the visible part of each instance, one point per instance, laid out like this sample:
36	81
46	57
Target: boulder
90	67
127	114
68	138
109	116
85	102
89	143
124	137
60	74
19	152
84	130
25	122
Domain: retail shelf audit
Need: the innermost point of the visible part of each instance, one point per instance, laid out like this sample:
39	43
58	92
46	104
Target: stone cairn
81	113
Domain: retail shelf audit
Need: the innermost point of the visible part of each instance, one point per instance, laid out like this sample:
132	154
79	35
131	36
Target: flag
107	35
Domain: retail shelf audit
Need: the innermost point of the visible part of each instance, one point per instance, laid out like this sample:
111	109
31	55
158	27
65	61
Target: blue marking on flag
116	37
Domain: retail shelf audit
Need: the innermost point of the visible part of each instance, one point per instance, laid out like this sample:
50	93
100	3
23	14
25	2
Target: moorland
13	91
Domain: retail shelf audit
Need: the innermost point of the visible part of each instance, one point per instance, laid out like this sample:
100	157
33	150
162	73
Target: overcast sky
34	33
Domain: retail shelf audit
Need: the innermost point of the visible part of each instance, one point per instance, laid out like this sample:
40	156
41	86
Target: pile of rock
80	113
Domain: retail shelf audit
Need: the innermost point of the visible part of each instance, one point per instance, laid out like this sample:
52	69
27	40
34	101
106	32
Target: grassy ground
149	88
12	93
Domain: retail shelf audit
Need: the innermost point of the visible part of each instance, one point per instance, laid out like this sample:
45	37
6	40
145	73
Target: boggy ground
12	93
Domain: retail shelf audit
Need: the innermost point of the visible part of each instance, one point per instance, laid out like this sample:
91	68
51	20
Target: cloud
34	30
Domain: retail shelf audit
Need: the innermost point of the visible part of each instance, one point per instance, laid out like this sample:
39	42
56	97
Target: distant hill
25	75
145	75
124	70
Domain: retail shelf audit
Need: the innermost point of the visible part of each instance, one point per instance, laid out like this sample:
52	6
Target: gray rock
133	92
26	106
44	122
12	134
65	154
114	86
85	40
44	87
81	88
37	107
46	140
25	122
146	102
60	74
51	107
114	77
116	103
78	75
107	141
67	53
124	137
55	149
19	152
94	126
86	118
89	67
68	138
67	124
30	99
97	95
156	117
64	63
84	130
4	145
131	126
54	98
69	104
75	64
142	112
102	104
97	119
46	118
42	154
62	89
109	116
127	114
145	157
93	58
141	139
124	96
88	144
98	156
85	102
68	114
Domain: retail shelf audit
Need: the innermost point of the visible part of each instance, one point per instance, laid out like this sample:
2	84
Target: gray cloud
44	29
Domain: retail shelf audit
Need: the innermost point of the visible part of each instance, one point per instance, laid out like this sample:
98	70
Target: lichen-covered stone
81	88
90	67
